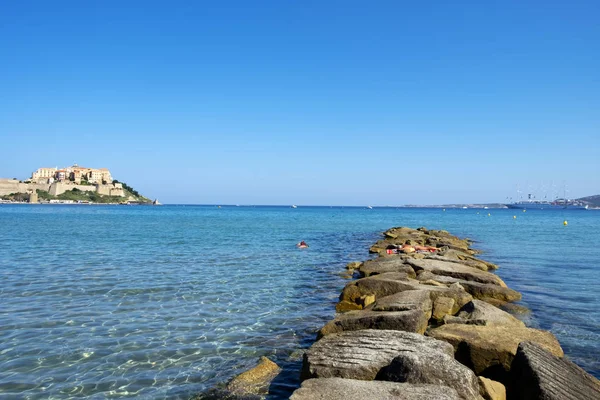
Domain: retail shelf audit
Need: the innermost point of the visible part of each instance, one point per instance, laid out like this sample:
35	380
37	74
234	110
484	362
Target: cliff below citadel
69	192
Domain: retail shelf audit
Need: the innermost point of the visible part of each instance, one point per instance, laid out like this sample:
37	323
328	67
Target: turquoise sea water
165	302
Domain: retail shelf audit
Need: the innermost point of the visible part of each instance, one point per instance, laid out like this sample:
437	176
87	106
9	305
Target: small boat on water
370	207
294	206
156	203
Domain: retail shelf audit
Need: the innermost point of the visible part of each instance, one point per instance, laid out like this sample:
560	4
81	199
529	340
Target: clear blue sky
306	102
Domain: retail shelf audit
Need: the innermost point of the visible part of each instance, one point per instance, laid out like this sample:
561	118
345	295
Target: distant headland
70	185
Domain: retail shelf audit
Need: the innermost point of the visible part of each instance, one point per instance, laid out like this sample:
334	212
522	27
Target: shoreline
67	203
434	325
474	207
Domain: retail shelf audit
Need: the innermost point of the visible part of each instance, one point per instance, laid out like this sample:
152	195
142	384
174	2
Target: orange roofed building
75	173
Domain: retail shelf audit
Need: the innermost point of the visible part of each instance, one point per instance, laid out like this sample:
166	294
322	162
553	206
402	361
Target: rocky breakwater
428	322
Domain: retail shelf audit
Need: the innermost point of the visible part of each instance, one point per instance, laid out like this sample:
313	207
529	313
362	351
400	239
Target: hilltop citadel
69	184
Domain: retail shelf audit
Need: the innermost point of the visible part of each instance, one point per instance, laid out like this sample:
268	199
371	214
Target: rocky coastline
434	325
427	319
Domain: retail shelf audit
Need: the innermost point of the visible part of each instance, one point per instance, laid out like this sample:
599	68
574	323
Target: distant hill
593	201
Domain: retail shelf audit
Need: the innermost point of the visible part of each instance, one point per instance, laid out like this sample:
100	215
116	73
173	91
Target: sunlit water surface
166	302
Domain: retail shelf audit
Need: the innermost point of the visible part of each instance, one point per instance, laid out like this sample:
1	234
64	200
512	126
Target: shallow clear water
166	302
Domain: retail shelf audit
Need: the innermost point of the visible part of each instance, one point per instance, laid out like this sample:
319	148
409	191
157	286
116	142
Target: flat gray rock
435	368
351	389
483	291
464	256
414	320
362	354
416	293
404	301
455	270
382	265
398	300
378	285
481	313
538	374
470	262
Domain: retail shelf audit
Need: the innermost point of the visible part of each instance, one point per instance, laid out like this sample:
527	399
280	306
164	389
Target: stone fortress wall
58	188
111	189
8	186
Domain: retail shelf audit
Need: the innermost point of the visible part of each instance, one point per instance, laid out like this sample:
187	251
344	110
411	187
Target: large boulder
479	312
471	262
433	368
410	321
255	381
483	291
391	283
538	374
352	389
464	256
363	354
459	296
404	301
405	311
489	350
378	285
455	270
382	265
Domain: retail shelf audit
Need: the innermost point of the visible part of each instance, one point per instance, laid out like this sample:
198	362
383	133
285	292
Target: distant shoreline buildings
74	173
56	181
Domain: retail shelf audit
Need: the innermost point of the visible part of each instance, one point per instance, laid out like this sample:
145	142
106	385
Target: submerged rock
538	374
352	389
353	265
256	380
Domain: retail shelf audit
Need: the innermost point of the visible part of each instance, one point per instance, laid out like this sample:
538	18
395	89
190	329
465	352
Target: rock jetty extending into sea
427	319
432	324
